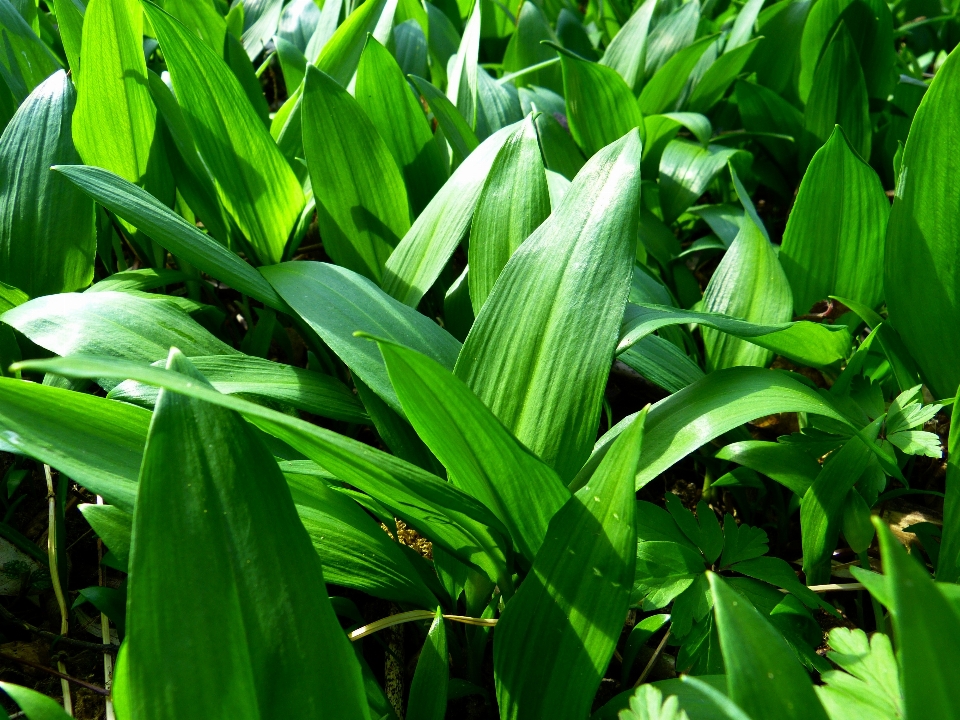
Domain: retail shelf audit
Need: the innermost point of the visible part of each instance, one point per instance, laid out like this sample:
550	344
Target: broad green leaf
873	23
480	454
428	691
686	169
838	97
138	280
870	687
418	260
673	32
927	629
47	240
265	639
69	15
922	248
822	510
748	284
362	206
743	26
833	244
34	60
804	342
450	518
528	48
537	355
561	156
111	524
96	442
35	706
115	324
948	564
662	363
115	118
457	132
627	50
293	62
354	550
764	111
664	570
662	129
782	26
661	93
263	379
260	21
721	74
764	676
337	303
255	183
788	465
498	104
571	605
385	96
722	401
514	201
600	105
462	82
202	17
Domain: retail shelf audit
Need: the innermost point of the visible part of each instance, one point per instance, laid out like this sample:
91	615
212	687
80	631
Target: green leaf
721	74
69	14
600	105
260	20
661	93
838	97
675	30
870	687
35	706
661	362
722	401
648	703
171	231
222	521
385	96
254	377
462	83
354	550
804	342
457	132
513	203
361	199
43	251
96	442
788	465
948	565
254	182
764	111
686	169
749	284
202	17
922	237
544	377
664	570
34	60
111	524
337	303
764	676
741	542
115	324
777	572
833	244
115	118
927	630
480	454
428	691
449	517
627	50
743	26
570	607
529	47
418	260
821	512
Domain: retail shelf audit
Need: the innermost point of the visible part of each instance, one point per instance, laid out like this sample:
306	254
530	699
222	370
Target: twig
412	616
55	580
832	587
653	659
66	678
53	637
